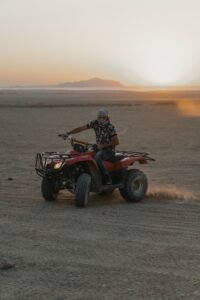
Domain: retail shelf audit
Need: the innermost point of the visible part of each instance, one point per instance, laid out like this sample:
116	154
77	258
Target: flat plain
111	249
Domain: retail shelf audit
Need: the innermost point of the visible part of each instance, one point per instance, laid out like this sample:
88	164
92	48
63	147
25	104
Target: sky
138	42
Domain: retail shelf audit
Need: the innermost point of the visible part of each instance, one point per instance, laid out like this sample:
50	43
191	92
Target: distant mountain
92	83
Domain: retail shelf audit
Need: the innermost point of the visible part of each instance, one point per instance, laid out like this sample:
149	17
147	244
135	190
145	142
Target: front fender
83	158
92	168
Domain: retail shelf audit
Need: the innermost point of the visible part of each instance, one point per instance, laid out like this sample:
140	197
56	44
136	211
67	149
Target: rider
106	139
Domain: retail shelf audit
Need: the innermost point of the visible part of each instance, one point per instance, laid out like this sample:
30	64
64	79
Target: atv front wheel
48	189
135	187
82	190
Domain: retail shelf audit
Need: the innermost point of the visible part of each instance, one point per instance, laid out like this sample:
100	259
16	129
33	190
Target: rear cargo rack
130	153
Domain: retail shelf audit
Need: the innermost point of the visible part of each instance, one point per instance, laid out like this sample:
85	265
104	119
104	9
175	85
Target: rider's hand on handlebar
64	136
94	146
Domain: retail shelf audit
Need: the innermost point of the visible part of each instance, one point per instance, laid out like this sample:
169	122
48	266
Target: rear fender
124	163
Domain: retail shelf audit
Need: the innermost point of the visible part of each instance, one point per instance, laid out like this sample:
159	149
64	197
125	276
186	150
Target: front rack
45	159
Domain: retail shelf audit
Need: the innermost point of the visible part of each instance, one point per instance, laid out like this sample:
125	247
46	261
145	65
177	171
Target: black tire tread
81	188
126	192
48	191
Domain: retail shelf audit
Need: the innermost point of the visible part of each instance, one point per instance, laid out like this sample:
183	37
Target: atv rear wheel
49	191
135	187
82	190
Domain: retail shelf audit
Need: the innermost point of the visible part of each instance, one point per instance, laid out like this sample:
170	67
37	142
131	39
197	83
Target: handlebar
64	136
72	140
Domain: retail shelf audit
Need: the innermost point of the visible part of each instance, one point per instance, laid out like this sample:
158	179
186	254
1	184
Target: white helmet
103	112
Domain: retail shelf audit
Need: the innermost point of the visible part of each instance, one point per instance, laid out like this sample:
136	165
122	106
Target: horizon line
121	86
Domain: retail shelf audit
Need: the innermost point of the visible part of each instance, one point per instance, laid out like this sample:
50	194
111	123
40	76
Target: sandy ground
111	249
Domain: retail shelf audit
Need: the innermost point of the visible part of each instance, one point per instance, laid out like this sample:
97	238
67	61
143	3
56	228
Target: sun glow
162	62
140	43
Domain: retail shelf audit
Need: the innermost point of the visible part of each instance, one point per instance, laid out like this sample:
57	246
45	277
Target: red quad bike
77	171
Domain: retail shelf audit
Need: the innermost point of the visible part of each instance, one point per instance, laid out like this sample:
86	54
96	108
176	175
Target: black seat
115	158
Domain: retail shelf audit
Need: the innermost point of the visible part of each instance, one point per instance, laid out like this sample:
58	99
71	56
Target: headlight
58	165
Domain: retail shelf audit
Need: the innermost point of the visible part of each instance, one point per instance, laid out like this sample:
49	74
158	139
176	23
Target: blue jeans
102	155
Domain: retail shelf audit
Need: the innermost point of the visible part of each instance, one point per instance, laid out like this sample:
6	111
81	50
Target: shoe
108	181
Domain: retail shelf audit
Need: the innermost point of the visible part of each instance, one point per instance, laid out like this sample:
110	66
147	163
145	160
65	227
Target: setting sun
162	62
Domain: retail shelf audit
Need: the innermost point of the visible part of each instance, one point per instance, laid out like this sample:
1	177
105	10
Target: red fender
110	166
124	163
83	157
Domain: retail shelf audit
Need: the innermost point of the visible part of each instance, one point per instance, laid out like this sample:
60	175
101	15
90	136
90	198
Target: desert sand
111	249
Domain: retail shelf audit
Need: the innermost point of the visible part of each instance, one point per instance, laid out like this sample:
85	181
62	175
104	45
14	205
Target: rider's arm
114	142
78	129
82	128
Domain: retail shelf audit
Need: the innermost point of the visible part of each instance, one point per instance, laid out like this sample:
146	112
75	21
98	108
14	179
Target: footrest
111	187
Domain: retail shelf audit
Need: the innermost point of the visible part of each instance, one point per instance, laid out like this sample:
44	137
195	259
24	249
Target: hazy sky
139	42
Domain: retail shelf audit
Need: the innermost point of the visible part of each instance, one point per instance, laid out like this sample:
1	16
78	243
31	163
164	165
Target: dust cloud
188	107
171	193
